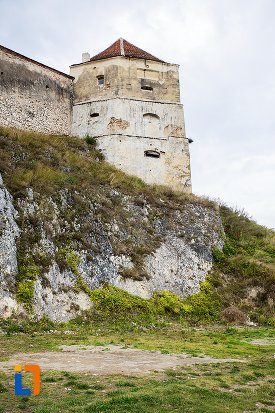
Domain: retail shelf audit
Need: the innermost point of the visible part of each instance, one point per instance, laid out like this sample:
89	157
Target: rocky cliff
69	222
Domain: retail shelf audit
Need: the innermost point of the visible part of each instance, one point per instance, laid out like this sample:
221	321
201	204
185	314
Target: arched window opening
150	117
151	123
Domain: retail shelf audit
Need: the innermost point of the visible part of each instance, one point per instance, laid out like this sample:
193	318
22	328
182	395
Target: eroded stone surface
179	262
9	232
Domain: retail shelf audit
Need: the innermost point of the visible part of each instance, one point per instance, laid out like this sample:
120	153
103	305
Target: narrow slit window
152	154
100	80
94	115
147	88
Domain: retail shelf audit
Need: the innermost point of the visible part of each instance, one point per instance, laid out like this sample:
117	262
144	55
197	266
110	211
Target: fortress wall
171	168
34	96
125	129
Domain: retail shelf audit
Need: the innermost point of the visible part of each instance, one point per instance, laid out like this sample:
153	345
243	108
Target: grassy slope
96	195
244	273
247	261
49	164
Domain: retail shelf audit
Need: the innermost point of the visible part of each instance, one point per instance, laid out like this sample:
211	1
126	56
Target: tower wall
135	114
128	154
129	117
124	77
127	130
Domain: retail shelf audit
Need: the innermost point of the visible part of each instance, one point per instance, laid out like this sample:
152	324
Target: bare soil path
101	360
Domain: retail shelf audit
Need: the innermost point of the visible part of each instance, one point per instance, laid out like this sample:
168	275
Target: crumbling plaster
124	78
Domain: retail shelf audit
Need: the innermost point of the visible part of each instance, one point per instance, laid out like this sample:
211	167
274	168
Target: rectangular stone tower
129	101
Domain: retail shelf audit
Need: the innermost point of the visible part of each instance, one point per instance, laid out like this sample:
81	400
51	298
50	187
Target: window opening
147	88
100	80
152	154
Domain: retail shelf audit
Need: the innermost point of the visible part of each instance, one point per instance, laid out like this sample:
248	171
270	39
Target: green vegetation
112	303
228	387
202	389
90	140
69	175
26	277
66	257
244	272
51	162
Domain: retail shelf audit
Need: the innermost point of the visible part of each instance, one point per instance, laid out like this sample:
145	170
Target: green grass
70	168
246	265
182	393
229	387
51	164
170	337
70	174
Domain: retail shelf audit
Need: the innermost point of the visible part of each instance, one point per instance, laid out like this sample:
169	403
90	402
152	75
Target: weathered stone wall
33	96
124	77
126	128
128	117
128	153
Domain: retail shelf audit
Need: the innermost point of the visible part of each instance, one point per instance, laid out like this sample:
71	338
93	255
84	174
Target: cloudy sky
226	52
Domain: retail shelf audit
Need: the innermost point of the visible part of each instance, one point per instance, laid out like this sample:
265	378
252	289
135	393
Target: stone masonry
34	96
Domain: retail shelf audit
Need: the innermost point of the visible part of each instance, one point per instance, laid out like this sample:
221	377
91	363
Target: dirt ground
100	360
263	342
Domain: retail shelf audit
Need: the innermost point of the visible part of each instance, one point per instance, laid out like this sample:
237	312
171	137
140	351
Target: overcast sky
226	52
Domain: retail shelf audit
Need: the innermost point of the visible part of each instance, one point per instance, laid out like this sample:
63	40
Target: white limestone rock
9	231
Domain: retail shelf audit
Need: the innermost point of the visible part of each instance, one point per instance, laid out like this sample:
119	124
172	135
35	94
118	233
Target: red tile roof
123	48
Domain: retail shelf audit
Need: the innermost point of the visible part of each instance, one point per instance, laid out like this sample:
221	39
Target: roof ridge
122	47
122	52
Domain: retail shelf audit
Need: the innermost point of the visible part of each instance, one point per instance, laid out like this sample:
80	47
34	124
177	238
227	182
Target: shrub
114	301
25	292
90	140
167	302
218	255
27	275
204	305
233	315
28	272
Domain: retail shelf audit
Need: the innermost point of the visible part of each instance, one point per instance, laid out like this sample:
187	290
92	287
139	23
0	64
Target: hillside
72	224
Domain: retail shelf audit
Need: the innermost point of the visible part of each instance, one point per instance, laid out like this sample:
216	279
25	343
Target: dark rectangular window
147	88
100	80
